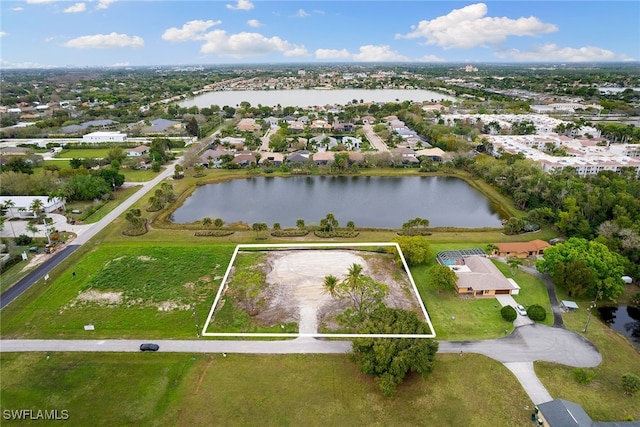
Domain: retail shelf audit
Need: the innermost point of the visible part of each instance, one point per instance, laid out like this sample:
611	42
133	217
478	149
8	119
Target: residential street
517	351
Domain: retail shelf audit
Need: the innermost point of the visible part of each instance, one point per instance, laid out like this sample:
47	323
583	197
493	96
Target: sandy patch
171	305
295	285
146	258
97	297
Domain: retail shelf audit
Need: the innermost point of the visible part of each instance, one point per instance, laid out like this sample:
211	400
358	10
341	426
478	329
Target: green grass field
83	153
272	390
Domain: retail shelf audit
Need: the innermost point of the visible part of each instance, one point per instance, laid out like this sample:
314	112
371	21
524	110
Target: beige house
520	249
478	276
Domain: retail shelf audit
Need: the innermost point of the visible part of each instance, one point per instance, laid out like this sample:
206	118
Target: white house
22	205
138	151
97	137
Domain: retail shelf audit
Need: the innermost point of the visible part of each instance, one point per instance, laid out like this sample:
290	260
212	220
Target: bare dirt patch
295	279
103	299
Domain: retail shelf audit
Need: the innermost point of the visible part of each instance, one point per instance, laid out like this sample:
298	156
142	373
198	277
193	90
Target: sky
120	33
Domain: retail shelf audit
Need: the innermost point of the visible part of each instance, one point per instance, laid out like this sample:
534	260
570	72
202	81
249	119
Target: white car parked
521	310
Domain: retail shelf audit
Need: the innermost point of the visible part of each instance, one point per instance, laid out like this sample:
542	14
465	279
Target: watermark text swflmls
35	414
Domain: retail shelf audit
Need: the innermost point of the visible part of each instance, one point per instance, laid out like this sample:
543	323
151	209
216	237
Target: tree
537	313
32	229
86	187
116	153
414	248
112	177
329	223
300	223
606	266
136	221
258	227
178	172
206	222
574	276
362	292
508	313
390	360
36	206
8	204
218	222
192	127
442	277
630	383
514	264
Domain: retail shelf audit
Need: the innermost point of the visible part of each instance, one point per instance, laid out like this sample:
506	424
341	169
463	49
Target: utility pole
195	317
591	308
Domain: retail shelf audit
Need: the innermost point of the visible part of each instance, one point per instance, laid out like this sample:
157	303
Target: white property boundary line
294	246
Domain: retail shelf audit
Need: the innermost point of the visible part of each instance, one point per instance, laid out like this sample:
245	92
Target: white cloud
17	8
248	44
192	30
241	5
3	33
103	41
104	4
39	1
470	27
76	8
332	54
302	14
366	53
554	53
370	53
254	23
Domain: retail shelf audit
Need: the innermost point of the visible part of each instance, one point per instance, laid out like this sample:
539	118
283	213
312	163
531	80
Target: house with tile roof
521	249
479	277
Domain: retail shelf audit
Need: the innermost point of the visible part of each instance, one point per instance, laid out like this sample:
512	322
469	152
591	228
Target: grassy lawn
532	290
62	164
100	208
138	175
152	290
603	397
79	153
240	390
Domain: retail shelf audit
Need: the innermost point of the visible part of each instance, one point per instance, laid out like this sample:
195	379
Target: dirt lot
295	285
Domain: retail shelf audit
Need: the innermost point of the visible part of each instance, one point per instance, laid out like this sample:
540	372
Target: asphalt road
83	237
295	346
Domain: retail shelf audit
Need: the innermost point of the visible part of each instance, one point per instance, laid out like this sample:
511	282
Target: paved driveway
508	300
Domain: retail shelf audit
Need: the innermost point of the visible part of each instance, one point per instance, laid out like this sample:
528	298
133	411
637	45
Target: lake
310	97
624	319
379	202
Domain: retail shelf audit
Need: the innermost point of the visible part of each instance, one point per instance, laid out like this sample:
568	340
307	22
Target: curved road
83	237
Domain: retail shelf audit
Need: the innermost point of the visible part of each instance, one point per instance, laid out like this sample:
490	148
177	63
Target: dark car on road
149	347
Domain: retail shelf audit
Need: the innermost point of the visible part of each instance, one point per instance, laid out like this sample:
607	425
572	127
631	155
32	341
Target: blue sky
46	33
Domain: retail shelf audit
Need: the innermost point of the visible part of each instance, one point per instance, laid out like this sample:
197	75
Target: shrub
630	383
584	376
213	233
23	240
537	313
508	313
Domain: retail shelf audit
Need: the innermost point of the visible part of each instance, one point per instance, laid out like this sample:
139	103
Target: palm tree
33	229
8	204
514	263
300	223
206	222
330	283
36	207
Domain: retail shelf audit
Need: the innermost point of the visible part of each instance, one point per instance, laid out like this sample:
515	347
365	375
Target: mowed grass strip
95	389
152	290
267	390
83	153
328	390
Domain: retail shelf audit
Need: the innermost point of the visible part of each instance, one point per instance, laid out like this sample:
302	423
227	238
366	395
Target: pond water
380	202
310	97
624	319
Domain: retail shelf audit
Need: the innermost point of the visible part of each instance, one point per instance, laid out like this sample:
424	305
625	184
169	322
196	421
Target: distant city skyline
120	33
